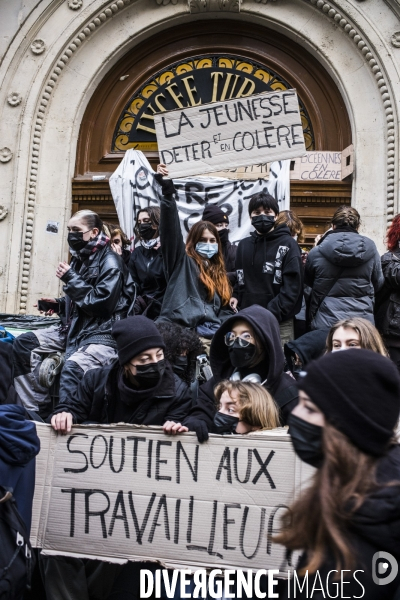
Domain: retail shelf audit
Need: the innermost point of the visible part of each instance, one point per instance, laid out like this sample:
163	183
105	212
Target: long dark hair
320	518
212	271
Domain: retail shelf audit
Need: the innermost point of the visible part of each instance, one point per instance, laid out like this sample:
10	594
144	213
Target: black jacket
354	260
147	270
308	347
282	387
98	400
229	251
8	395
387	313
375	527
98	291
270	273
186	299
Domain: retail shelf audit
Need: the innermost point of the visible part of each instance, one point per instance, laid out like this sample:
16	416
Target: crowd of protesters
267	319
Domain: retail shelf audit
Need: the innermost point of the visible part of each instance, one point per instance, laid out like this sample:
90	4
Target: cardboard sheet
133	493
236	133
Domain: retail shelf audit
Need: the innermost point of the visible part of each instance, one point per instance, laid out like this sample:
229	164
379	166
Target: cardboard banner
125	492
323	166
236	133
133	188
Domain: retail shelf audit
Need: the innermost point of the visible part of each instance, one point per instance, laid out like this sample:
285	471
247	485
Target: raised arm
172	244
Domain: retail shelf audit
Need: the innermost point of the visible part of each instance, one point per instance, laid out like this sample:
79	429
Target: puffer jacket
354	260
186	299
98	400
387	313
98	292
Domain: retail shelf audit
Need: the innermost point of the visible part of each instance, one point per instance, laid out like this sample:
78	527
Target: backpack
16	560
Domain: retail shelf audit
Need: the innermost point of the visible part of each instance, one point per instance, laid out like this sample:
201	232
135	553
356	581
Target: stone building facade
70	68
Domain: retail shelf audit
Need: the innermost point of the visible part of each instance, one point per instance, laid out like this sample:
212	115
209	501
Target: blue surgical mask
208	250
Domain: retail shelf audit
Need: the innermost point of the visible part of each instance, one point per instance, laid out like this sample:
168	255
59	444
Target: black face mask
180	365
146	231
241	357
223	235
148	376
306	440
225	423
76	241
263	223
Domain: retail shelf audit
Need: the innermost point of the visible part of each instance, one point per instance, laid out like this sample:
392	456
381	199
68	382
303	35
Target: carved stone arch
315	87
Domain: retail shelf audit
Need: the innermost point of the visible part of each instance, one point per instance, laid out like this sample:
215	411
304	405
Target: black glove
167	185
199	426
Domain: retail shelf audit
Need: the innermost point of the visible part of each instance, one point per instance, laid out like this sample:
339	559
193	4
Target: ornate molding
395	39
5	155
75	4
38	46
58	65
3	212
199	6
383	84
14	99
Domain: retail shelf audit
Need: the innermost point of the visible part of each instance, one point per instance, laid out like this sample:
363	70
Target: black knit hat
214	214
359	393
134	335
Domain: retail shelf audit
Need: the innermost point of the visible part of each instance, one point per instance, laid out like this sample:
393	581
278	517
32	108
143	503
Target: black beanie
359	393
214	214
134	335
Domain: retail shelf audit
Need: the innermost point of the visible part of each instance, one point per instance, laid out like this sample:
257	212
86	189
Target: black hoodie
270	273
282	387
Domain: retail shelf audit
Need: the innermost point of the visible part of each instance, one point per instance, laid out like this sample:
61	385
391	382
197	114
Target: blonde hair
370	338
289	218
256	406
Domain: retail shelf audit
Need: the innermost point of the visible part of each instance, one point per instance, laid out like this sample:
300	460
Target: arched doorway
198	63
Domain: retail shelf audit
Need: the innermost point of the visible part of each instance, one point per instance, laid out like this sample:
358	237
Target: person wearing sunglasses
247	347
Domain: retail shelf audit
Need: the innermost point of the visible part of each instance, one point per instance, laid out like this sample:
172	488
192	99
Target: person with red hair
387	316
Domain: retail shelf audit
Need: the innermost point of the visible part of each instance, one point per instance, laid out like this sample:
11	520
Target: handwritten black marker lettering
194	469
135	440
162	504
111	455
243	530
285	104
225	463
119	505
70	439
228	522
149	454
177	517
248	468
159	462
283	133
207	110
263	468
96	513
140	530
98	437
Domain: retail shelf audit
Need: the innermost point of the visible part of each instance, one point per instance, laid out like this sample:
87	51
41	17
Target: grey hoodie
355	259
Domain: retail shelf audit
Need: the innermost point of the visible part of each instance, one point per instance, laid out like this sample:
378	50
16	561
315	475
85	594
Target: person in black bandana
146	263
98	291
139	387
344	425
268	263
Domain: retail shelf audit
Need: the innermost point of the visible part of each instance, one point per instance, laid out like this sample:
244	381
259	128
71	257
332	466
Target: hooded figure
269	371
8	395
344	272
153	395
